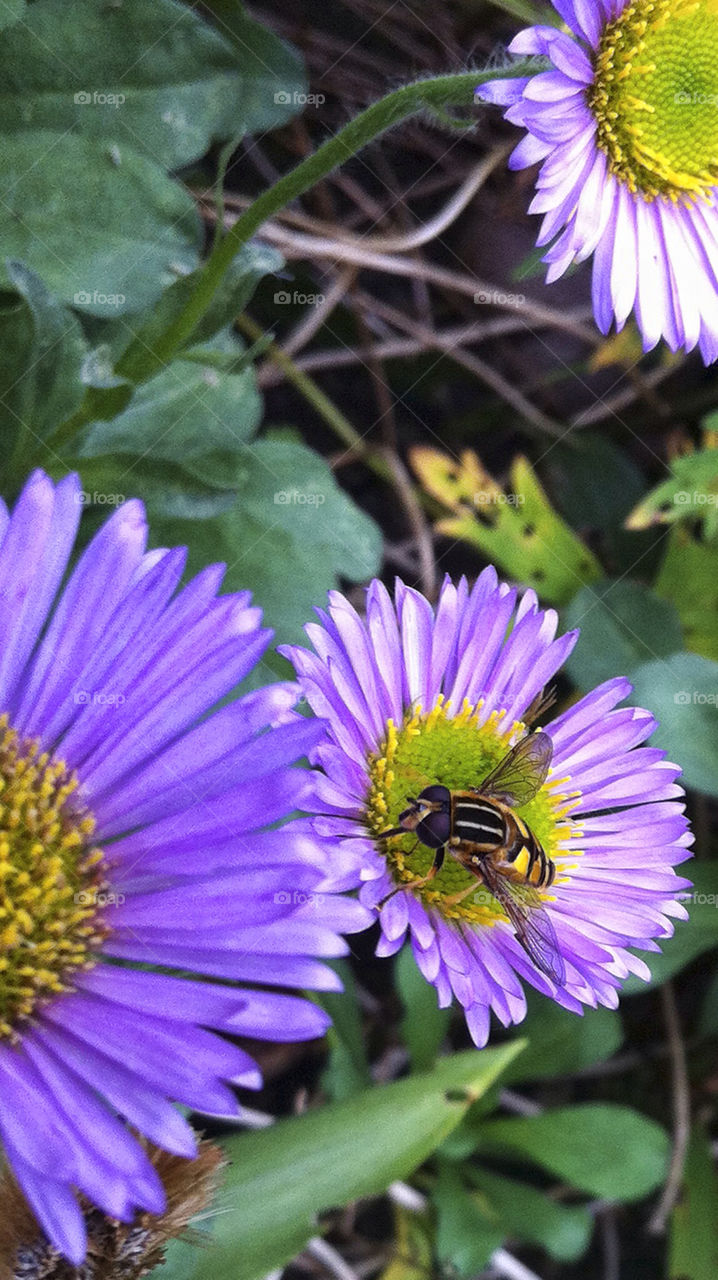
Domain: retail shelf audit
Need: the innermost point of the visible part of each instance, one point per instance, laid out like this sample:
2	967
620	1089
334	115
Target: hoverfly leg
455	898
434	869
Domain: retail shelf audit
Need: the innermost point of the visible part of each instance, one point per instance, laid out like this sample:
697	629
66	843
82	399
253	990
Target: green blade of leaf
690	494
424	1025
194	415
11	11
273	72
468	1230
518	530
693	1249
688	578
525	1213
347	1072
281	1178
604	1150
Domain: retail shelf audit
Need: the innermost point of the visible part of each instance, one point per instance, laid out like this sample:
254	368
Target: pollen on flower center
457	752
655	95
50	880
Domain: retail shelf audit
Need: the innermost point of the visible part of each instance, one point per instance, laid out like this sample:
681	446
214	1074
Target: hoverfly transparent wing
530	919
521	773
539	706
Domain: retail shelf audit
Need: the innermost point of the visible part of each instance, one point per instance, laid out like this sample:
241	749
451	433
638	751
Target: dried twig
681	1112
417	520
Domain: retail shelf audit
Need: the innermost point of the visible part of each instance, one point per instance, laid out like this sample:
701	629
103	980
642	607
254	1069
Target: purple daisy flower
133	832
626	126
418	699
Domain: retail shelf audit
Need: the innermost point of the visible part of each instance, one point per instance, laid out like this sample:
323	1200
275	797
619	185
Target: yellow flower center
456	752
51	880
655	98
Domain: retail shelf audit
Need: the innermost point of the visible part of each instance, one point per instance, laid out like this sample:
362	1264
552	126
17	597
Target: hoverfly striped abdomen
477	822
526	855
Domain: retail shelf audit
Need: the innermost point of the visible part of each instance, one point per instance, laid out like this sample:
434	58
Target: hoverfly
480	829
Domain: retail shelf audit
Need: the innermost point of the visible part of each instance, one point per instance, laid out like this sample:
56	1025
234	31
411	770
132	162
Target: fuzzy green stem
138	363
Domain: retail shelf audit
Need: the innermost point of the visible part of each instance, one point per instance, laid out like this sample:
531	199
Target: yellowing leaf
690	494
413	1257
516	529
622	348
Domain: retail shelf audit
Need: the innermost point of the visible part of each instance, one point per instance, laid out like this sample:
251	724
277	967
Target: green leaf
288	536
581	1145
526	1214
42	351
11	11
518	529
238	284
109	480
102	226
424	1025
690	494
282	1178
688	578
573	468
622	624
192	415
692	938
467	1232
153	76
274	82
693	1249
562	1043
682	692
348	1070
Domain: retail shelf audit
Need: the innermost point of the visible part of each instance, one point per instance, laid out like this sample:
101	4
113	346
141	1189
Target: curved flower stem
140	362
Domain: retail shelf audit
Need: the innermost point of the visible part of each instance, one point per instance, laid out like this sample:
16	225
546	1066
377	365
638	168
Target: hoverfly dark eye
434	830
436	794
